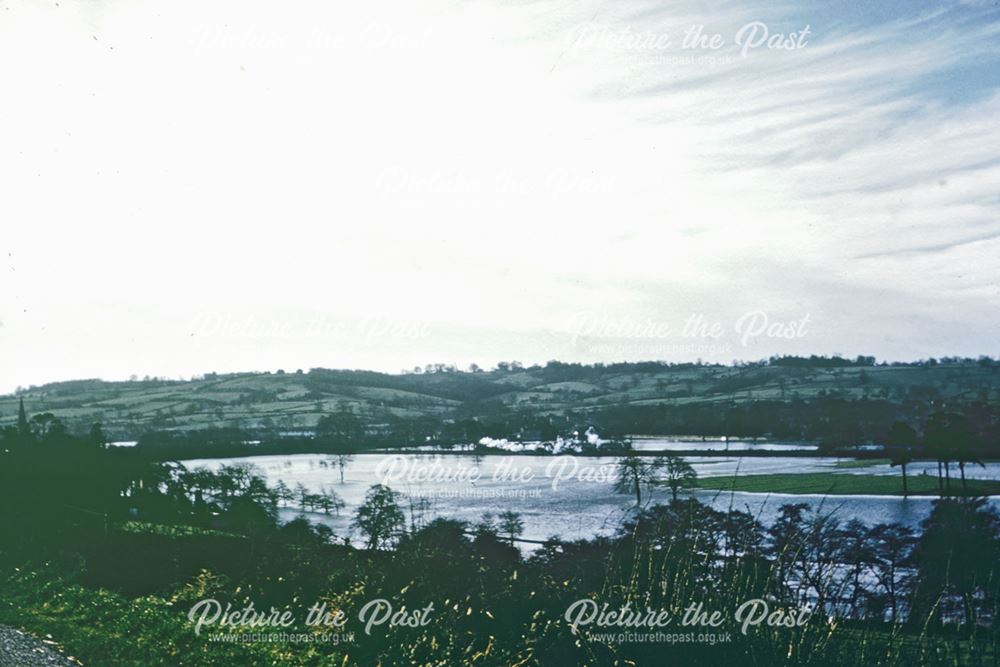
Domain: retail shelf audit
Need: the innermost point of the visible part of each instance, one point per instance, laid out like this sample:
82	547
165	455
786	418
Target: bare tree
634	472
679	473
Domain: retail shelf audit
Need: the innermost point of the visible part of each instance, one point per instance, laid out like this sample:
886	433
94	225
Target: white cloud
483	170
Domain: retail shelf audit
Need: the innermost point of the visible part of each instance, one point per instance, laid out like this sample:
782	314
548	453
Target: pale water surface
571	497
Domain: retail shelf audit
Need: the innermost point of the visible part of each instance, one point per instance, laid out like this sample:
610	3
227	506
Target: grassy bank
100	627
104	628
844	484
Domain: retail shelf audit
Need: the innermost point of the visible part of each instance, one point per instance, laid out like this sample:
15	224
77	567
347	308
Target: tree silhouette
900	441
959	555
511	525
379	518
303	495
937	437
284	493
97	437
47	427
891	546
342	428
950	438
632	473
679	473
328	500
343	460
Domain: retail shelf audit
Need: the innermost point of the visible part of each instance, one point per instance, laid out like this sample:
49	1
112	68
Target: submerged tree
679	473
949	438
284	494
342	460
328	500
634	472
900	441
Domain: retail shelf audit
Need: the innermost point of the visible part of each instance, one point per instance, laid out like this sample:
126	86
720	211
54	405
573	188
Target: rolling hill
295	401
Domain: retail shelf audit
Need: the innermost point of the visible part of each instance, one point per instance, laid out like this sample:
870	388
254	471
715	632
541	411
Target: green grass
297	400
860	463
841	484
170	530
100	627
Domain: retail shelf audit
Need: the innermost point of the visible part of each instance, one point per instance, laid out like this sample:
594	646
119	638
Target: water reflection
569	497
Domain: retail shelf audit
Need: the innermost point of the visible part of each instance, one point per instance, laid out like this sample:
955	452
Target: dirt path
18	649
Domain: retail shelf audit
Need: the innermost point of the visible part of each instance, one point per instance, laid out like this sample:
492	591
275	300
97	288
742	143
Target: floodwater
717	445
566	496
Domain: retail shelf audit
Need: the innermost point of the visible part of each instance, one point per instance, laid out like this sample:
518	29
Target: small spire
22	419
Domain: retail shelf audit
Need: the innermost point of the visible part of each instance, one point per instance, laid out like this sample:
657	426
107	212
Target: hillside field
294	401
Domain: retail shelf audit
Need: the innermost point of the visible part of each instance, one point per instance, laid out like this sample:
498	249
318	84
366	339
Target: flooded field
569	497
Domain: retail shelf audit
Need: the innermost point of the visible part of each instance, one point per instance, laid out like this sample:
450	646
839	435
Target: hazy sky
218	186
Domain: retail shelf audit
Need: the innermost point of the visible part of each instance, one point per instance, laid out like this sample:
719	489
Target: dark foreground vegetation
107	551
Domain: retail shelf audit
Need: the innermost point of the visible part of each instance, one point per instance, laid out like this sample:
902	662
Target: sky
194	187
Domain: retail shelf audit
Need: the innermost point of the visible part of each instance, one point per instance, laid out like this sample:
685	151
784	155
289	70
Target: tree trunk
855	613
905	491
892	592
638	492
